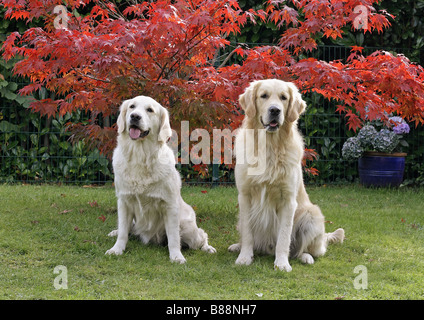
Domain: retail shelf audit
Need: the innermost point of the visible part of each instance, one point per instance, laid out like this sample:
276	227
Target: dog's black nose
274	111
135	117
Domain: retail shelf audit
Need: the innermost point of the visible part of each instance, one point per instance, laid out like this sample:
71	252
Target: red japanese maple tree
163	49
97	53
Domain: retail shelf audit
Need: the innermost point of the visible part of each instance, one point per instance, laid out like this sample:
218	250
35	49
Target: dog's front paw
115	250
178	258
243	260
282	265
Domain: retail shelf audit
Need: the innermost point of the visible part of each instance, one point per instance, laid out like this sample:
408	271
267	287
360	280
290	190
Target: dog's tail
336	236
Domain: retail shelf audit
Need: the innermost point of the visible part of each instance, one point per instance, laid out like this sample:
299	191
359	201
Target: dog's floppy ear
247	100
165	131
296	104
121	122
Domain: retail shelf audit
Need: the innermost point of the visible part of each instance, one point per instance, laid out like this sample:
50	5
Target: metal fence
36	149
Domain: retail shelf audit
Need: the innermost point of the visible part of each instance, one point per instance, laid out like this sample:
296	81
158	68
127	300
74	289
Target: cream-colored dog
148	185
276	215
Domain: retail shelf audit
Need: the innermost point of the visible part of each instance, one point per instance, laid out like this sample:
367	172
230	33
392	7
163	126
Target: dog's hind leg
234	247
336	236
194	237
114	233
308	240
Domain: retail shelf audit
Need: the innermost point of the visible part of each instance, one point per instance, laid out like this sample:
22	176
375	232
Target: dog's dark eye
149	110
264	96
283	97
132	106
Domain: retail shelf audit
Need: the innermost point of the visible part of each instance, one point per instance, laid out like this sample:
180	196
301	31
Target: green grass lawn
42	227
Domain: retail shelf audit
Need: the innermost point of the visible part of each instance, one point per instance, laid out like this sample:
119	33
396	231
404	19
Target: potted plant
377	148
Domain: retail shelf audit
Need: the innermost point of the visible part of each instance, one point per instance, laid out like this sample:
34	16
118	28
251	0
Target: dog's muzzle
135	131
274	119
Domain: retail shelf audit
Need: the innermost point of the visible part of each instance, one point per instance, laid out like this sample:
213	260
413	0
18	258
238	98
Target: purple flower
401	128
399	125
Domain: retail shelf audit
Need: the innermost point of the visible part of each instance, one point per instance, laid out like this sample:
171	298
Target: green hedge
35	148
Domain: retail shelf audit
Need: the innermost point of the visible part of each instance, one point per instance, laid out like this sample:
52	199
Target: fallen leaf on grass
102	218
204	191
222	229
203	219
93	204
77	229
339	298
65	211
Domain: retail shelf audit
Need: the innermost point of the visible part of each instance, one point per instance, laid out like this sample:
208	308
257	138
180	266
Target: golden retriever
276	215
148	185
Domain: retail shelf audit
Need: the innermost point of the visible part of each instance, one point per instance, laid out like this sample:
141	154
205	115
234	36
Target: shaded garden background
40	149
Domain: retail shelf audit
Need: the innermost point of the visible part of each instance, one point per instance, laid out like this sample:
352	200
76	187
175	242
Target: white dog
148	185
276	215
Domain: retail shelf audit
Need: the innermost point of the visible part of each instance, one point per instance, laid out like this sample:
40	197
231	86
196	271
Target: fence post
215	175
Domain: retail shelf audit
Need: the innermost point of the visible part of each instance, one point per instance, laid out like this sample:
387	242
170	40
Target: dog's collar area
272	126
136	133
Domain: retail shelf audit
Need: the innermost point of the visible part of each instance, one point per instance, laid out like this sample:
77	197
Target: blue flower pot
381	169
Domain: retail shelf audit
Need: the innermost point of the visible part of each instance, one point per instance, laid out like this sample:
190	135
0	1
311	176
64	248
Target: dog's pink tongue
135	133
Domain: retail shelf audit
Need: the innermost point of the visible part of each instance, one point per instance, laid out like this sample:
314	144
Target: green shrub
35	148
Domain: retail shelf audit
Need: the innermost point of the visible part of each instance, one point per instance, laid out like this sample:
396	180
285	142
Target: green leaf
64	145
12	86
8	94
3	83
34	139
6	126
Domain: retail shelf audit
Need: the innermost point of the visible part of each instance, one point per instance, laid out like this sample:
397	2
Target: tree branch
90	77
228	57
